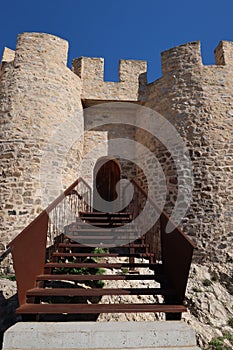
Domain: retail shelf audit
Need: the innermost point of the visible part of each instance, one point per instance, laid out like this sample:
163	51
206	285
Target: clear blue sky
115	29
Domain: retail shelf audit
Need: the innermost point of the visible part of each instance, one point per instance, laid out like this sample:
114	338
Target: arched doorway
107	173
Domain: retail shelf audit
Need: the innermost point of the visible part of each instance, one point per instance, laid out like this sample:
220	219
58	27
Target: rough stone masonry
39	92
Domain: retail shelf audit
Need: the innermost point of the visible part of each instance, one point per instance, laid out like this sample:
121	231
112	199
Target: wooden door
107	177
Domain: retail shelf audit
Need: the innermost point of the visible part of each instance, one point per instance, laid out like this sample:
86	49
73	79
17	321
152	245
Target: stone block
100	335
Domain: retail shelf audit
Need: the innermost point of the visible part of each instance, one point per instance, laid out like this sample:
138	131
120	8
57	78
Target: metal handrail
176	248
163	213
5	254
29	247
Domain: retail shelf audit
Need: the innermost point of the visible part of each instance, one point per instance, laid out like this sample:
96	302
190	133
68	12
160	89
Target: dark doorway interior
107	174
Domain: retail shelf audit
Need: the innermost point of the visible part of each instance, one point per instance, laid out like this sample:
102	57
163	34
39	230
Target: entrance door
107	176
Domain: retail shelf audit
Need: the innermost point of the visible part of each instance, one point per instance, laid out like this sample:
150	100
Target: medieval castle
39	93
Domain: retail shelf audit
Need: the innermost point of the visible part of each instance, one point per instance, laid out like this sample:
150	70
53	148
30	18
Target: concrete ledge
172	335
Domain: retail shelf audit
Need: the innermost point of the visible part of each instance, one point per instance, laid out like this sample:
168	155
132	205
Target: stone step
158	335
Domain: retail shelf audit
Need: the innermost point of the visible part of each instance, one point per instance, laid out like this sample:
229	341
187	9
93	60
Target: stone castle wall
39	93
198	101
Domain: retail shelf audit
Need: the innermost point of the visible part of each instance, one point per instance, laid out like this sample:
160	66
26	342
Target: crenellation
181	57
132	79
40	48
224	53
133	71
8	55
85	67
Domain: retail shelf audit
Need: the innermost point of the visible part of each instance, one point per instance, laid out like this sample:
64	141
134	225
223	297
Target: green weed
206	282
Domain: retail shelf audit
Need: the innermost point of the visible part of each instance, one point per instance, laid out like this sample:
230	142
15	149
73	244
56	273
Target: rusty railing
76	199
135	207
174	249
28	249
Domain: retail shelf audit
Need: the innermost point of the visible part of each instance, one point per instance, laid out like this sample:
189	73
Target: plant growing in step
83	271
206	282
99	284
99	250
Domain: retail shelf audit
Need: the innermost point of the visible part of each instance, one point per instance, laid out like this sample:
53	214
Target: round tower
197	100
39	96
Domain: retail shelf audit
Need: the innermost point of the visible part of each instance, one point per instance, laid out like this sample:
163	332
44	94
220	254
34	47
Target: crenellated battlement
132	74
188	56
39	49
128	70
132	79
181	57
